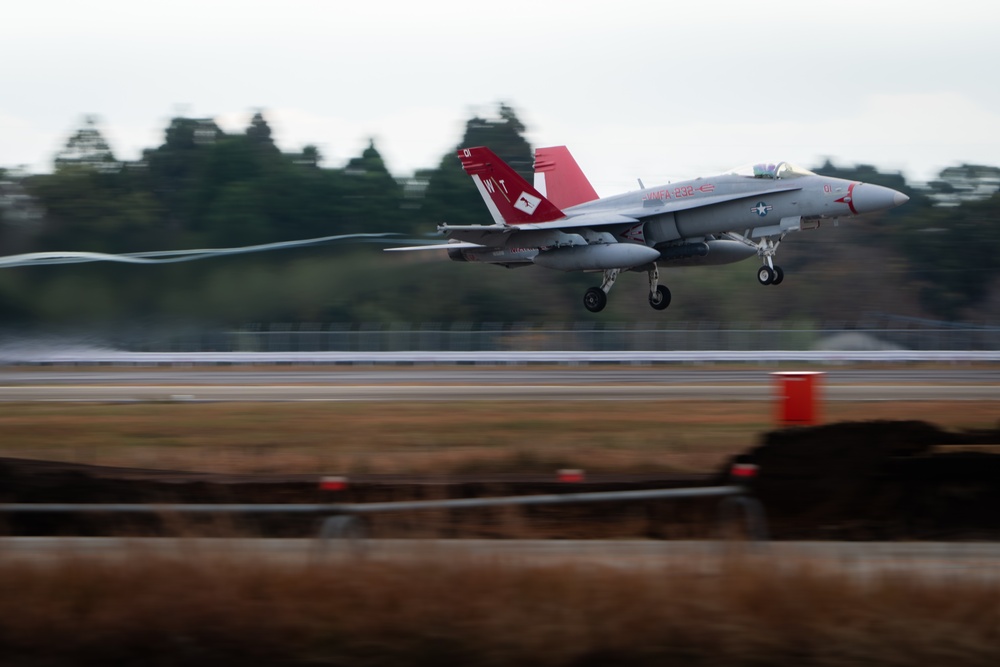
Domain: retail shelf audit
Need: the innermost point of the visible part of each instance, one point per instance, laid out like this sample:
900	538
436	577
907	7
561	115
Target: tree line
202	187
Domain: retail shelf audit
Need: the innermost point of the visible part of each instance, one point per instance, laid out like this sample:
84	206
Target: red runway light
570	475
333	483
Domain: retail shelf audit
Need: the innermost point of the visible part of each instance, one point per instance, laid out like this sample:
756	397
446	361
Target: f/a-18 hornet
561	223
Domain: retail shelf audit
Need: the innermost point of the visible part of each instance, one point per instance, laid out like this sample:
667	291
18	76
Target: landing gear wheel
779	275
659	299
595	299
766	275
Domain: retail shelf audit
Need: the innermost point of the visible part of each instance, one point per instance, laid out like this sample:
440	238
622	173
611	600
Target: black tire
659	299
779	275
765	275
595	299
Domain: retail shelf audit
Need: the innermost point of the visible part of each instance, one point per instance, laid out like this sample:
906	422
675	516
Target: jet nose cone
868	198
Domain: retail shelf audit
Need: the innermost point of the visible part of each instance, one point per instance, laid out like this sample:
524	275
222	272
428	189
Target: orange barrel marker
798	394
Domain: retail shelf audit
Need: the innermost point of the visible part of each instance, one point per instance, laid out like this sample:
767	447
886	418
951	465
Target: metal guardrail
874	337
343	520
591	335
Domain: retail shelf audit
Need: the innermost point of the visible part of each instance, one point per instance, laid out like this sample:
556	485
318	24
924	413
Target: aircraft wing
581	220
437	246
653	207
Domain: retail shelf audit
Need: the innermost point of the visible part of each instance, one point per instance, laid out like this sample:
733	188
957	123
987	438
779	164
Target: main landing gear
770	275
659	295
596	298
660	299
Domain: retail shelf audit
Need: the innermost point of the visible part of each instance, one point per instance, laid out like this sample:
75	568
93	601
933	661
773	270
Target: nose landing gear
766	248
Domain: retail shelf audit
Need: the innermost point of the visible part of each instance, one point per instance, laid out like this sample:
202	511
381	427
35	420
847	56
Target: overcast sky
636	88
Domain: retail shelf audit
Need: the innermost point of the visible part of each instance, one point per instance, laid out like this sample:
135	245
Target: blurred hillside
933	258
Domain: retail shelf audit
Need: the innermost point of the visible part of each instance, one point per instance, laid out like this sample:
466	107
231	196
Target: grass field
161	611
432	437
155	611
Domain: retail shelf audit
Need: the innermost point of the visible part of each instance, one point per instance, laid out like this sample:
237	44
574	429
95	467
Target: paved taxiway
429	384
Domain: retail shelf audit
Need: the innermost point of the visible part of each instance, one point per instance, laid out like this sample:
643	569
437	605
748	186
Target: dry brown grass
433	437
167	612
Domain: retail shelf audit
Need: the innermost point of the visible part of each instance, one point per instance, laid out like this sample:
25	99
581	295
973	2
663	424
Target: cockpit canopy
771	170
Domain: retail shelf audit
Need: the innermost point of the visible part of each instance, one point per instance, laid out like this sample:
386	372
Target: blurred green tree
88	148
259	133
965	183
372	201
952	254
91	200
176	171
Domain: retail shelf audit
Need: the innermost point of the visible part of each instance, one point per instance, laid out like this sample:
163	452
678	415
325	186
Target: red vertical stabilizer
564	182
509	197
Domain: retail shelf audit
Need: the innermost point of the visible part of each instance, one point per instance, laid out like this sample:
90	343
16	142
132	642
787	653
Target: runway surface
931	559
429	384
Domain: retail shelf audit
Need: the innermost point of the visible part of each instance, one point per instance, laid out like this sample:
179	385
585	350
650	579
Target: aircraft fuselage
716	220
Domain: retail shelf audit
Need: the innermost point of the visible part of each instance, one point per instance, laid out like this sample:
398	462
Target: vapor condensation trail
172	256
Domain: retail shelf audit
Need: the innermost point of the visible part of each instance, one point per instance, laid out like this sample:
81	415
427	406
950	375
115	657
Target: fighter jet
560	223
